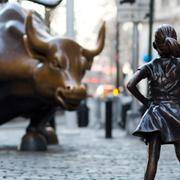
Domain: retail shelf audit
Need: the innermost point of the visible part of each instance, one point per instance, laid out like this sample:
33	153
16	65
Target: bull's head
62	63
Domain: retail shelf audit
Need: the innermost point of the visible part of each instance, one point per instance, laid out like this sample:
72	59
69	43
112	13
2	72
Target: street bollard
83	114
108	128
126	102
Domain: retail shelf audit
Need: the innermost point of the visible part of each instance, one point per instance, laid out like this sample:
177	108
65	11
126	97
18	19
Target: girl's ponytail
173	47
166	41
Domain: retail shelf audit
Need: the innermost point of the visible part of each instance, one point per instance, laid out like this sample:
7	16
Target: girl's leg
177	149
153	156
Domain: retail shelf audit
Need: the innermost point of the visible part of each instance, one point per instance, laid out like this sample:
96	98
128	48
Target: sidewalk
83	154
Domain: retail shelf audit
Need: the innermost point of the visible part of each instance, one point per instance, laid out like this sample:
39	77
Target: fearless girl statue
161	122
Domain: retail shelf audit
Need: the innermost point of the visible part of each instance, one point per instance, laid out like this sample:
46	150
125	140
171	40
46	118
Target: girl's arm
138	76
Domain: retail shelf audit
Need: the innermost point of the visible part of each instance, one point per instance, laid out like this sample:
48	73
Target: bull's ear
36	46
87	64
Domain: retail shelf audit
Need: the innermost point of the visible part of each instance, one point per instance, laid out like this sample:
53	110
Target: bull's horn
48	3
36	42
100	44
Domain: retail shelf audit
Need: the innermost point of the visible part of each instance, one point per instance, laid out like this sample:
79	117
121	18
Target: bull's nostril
69	87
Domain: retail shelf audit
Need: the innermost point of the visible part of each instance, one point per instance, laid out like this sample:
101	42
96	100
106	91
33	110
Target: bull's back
11	31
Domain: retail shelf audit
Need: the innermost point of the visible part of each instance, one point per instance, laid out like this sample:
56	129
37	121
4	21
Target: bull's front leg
39	134
48	130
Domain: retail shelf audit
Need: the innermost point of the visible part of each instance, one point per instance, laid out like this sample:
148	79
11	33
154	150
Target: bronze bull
39	72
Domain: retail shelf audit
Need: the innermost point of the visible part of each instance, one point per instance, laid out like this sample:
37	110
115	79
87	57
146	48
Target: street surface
83	154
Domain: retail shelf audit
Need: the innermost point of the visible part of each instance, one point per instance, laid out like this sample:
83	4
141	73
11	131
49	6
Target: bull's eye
60	62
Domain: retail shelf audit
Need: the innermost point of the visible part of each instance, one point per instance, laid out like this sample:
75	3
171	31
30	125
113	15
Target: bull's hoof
33	141
50	135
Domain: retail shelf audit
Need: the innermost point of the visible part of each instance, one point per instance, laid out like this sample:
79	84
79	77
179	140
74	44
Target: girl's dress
163	114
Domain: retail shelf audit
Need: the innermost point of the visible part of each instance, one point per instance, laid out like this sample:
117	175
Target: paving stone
83	154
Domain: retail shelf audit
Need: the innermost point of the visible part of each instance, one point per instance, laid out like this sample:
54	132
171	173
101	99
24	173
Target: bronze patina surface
161	122
39	72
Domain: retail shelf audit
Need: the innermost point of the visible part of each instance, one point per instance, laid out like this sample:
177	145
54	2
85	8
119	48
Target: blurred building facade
167	12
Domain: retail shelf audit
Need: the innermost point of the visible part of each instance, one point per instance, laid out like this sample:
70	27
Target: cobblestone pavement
83	154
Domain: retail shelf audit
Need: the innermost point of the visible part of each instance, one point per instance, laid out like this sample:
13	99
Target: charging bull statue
38	72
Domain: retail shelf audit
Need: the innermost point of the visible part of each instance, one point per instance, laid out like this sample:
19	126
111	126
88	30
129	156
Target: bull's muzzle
70	97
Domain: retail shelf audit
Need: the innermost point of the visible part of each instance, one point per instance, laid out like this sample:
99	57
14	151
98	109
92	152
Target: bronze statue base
33	141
